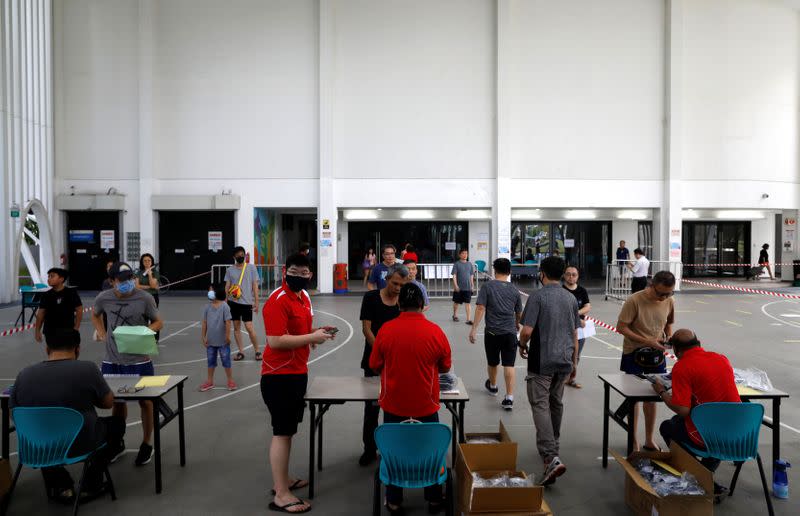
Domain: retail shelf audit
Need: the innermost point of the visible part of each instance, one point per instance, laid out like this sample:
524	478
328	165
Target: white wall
413	89
586	89
741	73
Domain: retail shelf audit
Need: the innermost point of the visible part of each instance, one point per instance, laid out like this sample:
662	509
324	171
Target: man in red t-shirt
698	377
284	373
409	353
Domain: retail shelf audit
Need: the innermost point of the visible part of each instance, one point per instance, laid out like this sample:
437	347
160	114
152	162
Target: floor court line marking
606	343
744	312
733	323
701	302
194	361
764	311
178	332
604	358
795	340
242	389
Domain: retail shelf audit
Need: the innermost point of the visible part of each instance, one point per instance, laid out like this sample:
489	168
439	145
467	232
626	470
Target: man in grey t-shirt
125	305
241	284
463	284
502	303
549	322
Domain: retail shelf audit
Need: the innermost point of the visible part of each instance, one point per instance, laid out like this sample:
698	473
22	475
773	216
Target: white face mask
211	295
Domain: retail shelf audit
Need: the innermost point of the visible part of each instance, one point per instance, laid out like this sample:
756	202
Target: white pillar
146	223
501	209
327	213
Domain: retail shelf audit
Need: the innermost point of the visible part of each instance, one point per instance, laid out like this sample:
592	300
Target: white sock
493	386
510	397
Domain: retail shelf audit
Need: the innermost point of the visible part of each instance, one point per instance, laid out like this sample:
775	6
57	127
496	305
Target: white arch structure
47	255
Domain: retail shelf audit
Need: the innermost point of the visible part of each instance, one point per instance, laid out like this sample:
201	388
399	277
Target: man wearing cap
125	305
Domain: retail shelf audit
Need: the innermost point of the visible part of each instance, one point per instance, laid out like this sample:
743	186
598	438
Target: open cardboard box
487	459
505	451
642	498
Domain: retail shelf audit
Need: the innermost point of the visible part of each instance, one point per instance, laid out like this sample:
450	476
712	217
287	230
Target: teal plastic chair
730	433
44	437
481	265
529	262
413	455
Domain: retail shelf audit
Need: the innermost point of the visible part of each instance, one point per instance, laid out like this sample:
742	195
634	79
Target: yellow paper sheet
743	390
153	381
666	467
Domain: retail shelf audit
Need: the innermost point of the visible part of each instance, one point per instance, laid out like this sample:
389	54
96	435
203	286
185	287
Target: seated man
64	381
698	377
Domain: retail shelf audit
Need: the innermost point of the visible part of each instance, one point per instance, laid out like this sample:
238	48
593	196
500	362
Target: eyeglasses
129	390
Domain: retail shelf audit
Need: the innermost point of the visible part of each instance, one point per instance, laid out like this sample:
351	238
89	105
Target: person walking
501	303
288	321
61	306
368	263
377	308
409	353
763	260
645	322
126	305
463	274
571	276
549	341
241	284
377	278
639	269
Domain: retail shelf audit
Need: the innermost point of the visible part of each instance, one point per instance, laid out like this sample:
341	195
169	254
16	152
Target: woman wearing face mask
125	305
147	279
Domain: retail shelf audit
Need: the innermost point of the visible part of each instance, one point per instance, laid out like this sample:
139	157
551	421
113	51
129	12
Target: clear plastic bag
665	483
447	381
753	378
503	479
483	440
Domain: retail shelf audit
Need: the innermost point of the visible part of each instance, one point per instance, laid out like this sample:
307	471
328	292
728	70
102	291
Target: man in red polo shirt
698	377
284	373
409	353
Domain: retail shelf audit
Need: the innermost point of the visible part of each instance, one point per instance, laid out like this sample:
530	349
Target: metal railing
619	277
269	277
438	278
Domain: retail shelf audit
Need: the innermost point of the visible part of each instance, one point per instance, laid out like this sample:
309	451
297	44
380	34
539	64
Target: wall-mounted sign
15	211
569	243
449	246
107	240
215	241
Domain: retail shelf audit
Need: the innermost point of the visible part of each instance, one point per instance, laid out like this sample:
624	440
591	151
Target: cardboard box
505	451
642	498
543	511
488	459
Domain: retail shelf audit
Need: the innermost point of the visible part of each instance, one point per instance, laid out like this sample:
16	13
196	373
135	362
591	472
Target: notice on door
215	241
107	240
449	246
569	243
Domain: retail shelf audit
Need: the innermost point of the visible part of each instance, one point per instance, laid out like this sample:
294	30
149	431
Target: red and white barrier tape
609	327
12	331
731	264
740	289
185	279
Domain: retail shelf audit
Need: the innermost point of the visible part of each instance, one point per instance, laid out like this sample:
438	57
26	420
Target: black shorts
240	312
639	283
500	349
283	394
462	296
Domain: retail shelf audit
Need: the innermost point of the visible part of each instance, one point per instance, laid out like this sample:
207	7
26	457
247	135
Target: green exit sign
15	212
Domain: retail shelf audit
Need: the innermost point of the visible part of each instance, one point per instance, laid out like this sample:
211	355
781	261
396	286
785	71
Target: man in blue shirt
377	278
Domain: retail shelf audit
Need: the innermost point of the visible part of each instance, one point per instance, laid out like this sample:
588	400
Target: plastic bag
483	440
753	378
448	381
665	483
504	479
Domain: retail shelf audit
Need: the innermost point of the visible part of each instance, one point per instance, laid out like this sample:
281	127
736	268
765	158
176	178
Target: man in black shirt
61	306
377	308
571	276
64	381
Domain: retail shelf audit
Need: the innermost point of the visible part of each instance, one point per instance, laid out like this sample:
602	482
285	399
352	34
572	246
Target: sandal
297	484
455	319
397	510
238	356
651	449
282	508
574	384
258	355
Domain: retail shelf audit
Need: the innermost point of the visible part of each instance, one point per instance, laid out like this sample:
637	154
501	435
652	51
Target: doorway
189	243
93	237
713	244
435	242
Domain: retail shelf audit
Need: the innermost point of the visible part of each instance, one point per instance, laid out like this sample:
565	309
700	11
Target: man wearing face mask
288	317
241	283
125	305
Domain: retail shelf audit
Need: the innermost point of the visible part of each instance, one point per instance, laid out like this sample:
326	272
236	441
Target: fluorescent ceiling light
360	214
739	214
416	214
632	214
689	214
473	214
581	214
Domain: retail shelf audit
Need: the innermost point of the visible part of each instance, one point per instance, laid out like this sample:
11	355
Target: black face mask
296	283
239	259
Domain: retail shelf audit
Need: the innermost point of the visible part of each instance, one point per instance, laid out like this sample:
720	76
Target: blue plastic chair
44	437
730	433
530	262
481	265
413	455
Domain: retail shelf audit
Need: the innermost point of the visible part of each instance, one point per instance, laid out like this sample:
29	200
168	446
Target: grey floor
227	470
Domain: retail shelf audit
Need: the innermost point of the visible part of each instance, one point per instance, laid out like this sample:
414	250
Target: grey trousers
545	393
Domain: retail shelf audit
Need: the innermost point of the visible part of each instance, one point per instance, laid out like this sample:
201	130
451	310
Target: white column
500	246
145	223
327	212
789	244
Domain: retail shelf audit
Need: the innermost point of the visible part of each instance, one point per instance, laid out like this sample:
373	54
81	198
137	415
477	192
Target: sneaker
720	493
455	318
555	469
507	404
492	390
232	386
145	455
367	458
469	322
206	387
118	452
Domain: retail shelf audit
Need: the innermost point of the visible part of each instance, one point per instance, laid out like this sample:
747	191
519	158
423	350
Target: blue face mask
126	287
211	295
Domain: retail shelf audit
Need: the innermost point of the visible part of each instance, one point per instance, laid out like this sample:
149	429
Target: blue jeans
224	353
394	494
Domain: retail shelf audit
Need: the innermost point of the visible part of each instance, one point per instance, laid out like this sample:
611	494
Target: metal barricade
619	276
269	277
438	278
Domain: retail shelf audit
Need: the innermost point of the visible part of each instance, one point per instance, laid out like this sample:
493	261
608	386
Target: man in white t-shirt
639	268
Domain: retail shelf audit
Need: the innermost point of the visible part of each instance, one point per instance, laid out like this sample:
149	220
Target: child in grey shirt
216	334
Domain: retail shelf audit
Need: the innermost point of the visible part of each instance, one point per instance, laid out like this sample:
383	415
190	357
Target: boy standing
463	284
61	307
216	335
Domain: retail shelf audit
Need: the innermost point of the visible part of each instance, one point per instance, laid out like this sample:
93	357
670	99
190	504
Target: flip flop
297	484
651	449
574	384
239	356
282	508
258	355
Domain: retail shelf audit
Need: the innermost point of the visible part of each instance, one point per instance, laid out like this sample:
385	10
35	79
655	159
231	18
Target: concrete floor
227	434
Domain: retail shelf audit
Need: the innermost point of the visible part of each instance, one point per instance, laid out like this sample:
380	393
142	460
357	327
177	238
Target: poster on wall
449	246
107	240
675	250
264	221
788	240
215	241
569	243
